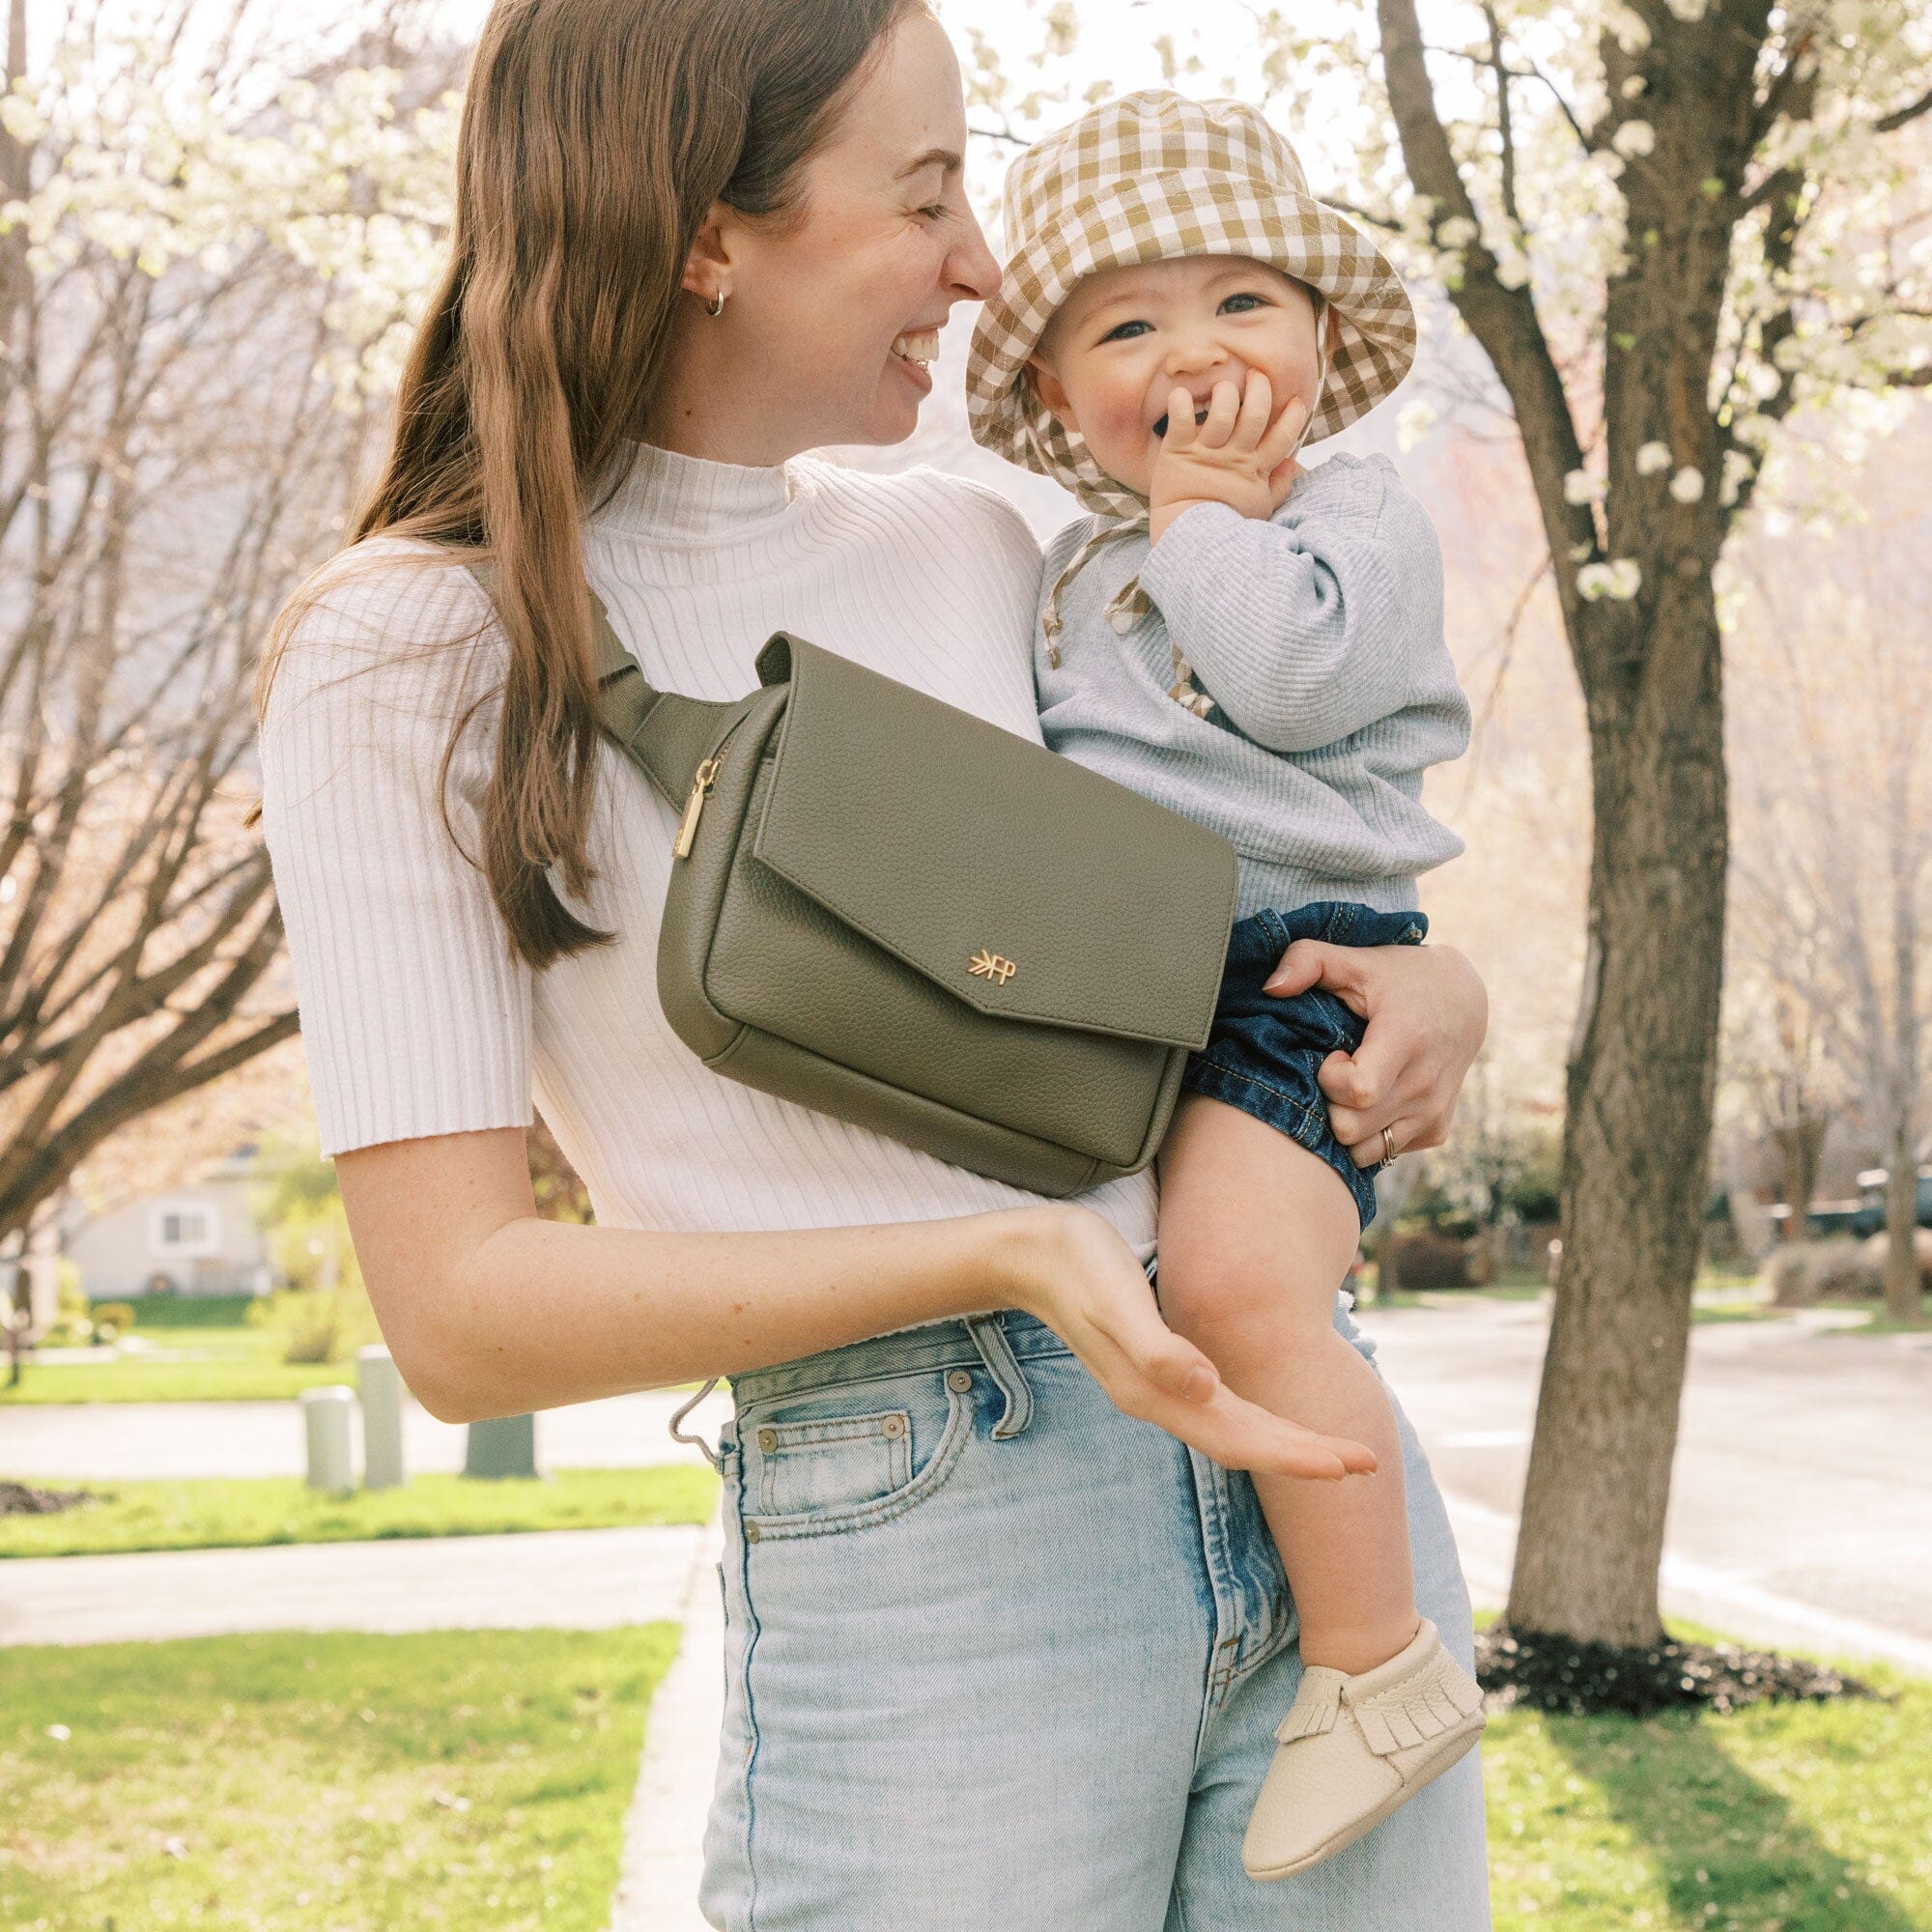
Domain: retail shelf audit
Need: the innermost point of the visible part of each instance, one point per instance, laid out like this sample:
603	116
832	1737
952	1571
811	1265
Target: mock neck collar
676	498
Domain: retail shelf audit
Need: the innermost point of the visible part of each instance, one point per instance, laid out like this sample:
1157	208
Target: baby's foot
1352	1749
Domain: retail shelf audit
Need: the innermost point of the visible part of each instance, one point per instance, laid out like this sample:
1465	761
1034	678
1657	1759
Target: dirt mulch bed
1554	1673
23	1499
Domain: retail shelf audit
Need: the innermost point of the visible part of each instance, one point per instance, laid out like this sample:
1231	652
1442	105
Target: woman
1003	1630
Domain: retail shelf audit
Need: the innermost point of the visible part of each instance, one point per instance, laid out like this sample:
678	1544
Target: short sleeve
415	1013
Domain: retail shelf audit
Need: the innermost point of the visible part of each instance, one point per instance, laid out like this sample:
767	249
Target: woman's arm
1427	1010
491	1311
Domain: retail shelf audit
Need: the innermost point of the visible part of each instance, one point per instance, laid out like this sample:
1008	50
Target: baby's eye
1125	331
1241	304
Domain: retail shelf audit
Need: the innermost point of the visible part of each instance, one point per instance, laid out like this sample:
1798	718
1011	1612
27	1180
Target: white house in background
190	1240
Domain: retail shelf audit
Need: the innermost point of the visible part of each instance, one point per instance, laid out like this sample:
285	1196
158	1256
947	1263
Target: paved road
563	1579
1802	1504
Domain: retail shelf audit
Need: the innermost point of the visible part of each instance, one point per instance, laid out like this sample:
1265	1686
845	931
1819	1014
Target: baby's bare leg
1256	1236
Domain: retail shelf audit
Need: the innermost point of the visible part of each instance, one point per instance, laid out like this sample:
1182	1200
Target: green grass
249	1512
1781	1818
296	1782
477	1781
192	1364
1878	1322
181	1310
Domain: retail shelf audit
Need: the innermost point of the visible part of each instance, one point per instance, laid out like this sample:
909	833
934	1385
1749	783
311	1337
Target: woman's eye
937	212
1241	304
1125	331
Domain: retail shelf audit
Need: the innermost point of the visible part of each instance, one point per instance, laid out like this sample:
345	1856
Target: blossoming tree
205	267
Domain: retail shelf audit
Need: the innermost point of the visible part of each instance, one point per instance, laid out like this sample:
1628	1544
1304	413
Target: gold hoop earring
715	307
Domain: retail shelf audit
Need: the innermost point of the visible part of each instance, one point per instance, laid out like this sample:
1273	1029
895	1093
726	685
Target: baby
1261	647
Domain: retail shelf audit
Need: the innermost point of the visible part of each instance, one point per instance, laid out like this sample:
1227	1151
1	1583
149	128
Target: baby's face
1124	339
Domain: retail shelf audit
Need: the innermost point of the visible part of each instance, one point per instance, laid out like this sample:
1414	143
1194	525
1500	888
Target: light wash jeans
999	1658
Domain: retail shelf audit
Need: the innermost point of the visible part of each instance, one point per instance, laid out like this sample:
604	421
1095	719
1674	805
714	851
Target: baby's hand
1236	456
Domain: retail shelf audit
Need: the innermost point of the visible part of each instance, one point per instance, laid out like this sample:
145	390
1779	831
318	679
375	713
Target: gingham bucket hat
1148	178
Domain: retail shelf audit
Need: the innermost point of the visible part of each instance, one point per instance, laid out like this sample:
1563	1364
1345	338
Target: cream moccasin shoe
1352	1749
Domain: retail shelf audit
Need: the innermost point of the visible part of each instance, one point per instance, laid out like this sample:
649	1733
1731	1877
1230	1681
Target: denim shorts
1000	1658
1264	1053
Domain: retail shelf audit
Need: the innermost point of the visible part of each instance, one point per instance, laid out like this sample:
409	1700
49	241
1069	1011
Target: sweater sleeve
415	1013
1309	628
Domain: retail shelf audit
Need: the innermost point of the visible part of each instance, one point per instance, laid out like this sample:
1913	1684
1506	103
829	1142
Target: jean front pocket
833	1462
837	1459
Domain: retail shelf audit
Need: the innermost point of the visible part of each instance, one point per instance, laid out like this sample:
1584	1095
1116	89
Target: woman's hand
1426	1012
1073	1272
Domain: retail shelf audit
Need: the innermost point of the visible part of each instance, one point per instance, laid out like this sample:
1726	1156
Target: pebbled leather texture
862	844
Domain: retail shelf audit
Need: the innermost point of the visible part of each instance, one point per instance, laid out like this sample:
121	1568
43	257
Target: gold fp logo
987	965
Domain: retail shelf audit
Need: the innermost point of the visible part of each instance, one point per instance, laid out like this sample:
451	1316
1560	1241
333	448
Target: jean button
961	1380
895	1425
768	1440
750	1532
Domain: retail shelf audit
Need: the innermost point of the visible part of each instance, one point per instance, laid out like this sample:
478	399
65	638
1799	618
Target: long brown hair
596	135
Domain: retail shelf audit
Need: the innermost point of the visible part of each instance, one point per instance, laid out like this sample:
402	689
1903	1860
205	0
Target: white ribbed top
415	1017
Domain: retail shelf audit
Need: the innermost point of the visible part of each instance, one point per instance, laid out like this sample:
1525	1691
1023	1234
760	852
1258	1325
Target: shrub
1429	1260
1875	1247
72	1326
119	1315
1801	1272
317	1324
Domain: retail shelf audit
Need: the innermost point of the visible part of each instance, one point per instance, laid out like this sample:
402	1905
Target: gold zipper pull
694	806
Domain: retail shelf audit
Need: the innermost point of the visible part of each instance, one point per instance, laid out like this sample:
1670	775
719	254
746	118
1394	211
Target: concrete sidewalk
555	1579
664	1835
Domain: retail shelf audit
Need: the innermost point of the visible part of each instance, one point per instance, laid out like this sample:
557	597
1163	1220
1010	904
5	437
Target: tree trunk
1800	1141
1902	1297
1642	1079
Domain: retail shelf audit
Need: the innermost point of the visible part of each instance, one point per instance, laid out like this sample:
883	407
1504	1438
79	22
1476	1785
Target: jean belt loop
996	1351
696	1441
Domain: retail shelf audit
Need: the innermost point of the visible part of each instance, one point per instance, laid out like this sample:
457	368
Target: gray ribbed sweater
1319	635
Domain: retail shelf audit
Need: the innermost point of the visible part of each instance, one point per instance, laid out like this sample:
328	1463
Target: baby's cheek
1121	419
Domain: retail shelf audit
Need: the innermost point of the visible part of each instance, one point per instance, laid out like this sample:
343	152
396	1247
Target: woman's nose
971	269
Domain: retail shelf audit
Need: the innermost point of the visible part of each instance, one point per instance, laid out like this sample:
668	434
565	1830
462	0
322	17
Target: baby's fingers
1224	407
1182	428
1251	425
1280	438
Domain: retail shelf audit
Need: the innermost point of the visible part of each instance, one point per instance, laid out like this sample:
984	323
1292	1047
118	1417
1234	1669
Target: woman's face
831	319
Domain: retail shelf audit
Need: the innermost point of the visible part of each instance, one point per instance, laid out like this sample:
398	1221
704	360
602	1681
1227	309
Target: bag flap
1025	884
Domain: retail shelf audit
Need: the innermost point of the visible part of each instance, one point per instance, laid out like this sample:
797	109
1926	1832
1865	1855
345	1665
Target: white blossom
1413	422
1687	485
1634	138
1652	458
1581	486
1634	85
1619	581
1458	232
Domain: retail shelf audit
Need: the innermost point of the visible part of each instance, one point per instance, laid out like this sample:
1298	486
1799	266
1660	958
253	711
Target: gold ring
1388	1148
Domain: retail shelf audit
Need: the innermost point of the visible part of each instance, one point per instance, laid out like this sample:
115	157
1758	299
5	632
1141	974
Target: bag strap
666	736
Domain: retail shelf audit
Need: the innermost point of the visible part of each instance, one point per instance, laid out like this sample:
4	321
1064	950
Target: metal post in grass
328	1424
505	1445
381	1384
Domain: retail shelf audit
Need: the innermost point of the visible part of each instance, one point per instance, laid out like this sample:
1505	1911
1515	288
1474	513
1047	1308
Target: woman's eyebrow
943	159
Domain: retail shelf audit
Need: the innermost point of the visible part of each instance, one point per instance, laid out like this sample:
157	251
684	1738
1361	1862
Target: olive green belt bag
887	909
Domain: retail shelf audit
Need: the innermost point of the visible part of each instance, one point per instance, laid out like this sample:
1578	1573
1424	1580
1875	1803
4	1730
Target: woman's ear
1052	392
1332	318
708	268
